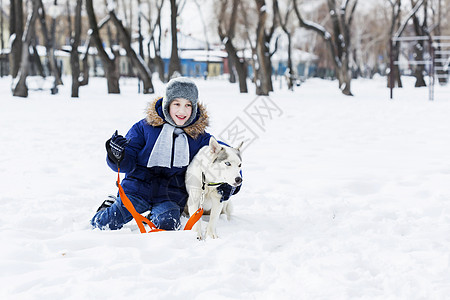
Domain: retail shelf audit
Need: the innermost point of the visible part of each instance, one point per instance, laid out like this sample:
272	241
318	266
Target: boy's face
180	110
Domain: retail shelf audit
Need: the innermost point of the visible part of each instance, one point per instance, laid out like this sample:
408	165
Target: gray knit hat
180	87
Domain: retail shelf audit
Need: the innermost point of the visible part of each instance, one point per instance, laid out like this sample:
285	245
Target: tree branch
410	15
321	31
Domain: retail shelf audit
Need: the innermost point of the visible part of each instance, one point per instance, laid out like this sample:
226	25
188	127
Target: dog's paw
211	234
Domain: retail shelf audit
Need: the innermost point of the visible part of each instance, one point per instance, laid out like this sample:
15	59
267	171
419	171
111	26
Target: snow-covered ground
343	198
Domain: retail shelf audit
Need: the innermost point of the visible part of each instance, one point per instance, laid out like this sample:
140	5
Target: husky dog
212	166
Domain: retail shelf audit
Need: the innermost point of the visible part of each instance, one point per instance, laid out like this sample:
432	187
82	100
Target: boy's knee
110	218
166	216
168	221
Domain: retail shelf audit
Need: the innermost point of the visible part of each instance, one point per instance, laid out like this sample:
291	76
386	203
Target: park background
344	196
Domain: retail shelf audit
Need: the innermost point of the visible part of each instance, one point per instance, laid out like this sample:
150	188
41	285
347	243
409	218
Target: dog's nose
238	180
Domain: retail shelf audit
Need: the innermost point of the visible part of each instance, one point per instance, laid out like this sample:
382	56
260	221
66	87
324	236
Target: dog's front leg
197	226
216	209
193	206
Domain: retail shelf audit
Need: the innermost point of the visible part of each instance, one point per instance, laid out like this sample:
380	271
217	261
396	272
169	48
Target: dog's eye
228	164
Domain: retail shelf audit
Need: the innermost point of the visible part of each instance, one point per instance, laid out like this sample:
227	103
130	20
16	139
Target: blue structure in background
189	67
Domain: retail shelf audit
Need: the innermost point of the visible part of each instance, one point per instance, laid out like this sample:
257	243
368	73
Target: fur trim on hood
194	130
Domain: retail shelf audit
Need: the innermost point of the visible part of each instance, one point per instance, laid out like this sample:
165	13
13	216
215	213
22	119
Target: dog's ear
214	145
240	146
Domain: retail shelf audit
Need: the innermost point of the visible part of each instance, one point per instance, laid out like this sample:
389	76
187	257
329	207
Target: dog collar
209	183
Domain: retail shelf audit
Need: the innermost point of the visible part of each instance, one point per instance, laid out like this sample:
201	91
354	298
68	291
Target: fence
436	59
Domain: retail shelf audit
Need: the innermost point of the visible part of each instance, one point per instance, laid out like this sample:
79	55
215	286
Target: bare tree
2	41
174	64
339	41
205	32
421	29
247	26
152	27
263	66
127	20
137	61
84	80
35	61
396	6
284	21
20	88
75	40
400	28
50	46
157	44
140	37
16	33
109	63
226	34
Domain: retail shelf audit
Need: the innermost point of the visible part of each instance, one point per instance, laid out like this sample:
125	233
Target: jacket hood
155	117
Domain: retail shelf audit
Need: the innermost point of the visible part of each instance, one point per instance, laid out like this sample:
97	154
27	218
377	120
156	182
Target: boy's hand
115	147
226	191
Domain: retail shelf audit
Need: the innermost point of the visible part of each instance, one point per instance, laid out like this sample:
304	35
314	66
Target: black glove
227	191
115	147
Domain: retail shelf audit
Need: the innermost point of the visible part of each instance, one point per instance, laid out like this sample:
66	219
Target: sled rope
139	218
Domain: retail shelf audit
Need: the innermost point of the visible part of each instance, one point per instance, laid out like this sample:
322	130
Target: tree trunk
395	46
16	31
290	75
174	64
2	41
231	69
74	57
109	65
268	63
420	30
238	65
345	78
158	59
261	74
85	57
21	89
419	70
234	62
395	68
49	45
156	63
37	61
138	62
85	63
338	43
263	64
159	63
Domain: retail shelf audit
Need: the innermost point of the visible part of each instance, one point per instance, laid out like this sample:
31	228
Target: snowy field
343	198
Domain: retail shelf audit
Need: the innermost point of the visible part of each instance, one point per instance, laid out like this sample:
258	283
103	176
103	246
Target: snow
111	6
53	11
343	198
12	37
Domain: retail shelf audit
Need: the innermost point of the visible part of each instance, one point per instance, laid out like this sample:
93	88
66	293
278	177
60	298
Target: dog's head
226	163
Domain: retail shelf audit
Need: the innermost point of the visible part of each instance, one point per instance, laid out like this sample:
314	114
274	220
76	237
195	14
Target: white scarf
161	155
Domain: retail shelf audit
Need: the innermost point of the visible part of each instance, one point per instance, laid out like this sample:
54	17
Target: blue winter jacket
158	184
